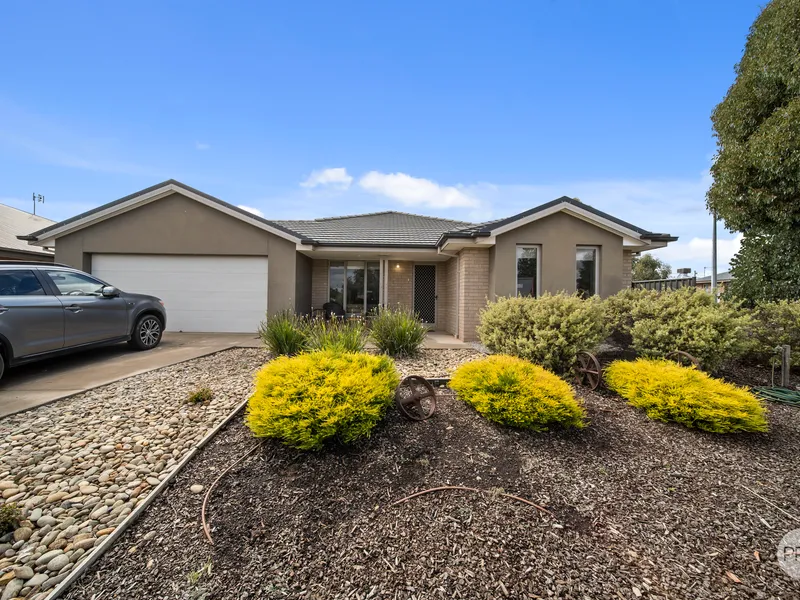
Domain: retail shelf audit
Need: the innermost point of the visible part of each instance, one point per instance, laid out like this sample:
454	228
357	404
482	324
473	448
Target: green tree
647	267
756	188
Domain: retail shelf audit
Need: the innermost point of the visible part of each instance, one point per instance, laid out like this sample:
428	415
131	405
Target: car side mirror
109	291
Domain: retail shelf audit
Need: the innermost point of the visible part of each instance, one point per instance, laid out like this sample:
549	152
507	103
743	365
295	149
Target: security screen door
425	292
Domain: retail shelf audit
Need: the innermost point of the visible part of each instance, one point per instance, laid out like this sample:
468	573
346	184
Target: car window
20	283
75	284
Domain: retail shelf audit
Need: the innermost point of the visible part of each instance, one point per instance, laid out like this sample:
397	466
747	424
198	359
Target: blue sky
470	110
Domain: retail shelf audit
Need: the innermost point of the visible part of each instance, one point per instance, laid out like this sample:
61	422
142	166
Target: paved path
39	383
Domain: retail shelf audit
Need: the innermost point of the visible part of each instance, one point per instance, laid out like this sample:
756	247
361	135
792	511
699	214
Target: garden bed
639	509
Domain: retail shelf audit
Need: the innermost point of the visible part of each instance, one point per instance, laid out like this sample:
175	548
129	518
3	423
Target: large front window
528	271
355	285
586	271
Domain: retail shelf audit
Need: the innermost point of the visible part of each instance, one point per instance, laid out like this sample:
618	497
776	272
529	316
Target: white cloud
250	209
336	178
202	146
416	191
696	253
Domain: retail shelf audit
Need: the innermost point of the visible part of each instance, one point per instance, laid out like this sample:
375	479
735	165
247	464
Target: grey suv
48	309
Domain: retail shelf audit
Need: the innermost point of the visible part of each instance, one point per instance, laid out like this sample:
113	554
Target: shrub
10	517
691	321
618	311
284	333
397	332
309	399
344	335
514	392
203	394
549	330
669	392
775	324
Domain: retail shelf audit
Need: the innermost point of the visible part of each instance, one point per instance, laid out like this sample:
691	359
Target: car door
30	319
88	315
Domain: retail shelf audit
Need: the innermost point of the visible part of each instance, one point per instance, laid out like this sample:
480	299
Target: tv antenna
37	198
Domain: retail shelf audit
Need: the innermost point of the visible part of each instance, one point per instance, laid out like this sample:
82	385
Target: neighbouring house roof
15	222
726	276
380	229
386	229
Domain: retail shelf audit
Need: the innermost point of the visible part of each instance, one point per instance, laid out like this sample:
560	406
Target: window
355	285
20	283
75	284
528	271
586	271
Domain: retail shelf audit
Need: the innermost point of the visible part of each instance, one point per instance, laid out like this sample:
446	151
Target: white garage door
201	293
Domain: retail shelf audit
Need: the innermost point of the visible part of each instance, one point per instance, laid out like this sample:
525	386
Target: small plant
284	333
689	320
669	392
194	577
201	395
549	331
307	400
514	392
10	517
344	335
397	332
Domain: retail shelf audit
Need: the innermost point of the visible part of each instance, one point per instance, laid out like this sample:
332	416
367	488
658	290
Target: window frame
538	283
365	265
596	267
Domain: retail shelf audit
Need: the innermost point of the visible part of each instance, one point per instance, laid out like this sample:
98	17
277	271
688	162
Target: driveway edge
134	374
106	544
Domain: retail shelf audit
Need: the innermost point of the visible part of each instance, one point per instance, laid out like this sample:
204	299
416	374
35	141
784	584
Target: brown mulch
642	509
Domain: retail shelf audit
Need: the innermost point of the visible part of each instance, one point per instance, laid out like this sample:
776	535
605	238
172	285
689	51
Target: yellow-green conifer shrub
669	392
308	399
512	391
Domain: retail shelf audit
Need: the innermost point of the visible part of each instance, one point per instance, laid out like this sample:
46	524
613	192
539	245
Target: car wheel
2	365
146	333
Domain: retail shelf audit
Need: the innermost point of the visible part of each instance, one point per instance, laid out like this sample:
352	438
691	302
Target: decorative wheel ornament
683	358
587	370
415	398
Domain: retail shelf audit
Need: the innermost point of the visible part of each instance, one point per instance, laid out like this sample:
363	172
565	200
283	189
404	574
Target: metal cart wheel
588	372
683	358
415	398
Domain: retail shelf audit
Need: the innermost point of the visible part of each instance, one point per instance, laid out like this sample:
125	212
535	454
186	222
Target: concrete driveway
38	383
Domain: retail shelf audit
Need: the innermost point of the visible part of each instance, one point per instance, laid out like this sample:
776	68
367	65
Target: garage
201	293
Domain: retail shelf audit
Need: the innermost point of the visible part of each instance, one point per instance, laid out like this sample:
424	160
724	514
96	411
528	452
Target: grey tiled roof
14	222
375	229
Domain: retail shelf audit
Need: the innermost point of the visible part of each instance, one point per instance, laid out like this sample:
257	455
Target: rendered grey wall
559	235
179	225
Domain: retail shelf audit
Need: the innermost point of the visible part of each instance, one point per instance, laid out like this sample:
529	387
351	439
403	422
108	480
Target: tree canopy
756	188
648	267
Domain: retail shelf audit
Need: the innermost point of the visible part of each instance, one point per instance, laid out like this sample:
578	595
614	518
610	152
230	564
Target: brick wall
447	282
319	283
401	284
473	285
627	269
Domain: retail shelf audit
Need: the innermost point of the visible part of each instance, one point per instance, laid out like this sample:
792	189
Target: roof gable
14	223
153	194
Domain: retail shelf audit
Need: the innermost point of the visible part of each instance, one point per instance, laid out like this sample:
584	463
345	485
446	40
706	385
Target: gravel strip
434	363
78	467
642	510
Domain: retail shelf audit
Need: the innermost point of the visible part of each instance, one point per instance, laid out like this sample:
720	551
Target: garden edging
98	552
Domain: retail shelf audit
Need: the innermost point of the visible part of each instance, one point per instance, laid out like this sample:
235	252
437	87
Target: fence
661	285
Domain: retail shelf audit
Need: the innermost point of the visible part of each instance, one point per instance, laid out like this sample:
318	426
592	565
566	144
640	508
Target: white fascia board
152	196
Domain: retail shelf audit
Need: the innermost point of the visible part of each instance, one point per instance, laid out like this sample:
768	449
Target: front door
425	293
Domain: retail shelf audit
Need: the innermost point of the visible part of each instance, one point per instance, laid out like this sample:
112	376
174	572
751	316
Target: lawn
639	509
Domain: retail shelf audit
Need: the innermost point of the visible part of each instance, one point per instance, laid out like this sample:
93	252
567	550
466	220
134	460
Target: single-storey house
723	279
219	267
14	223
